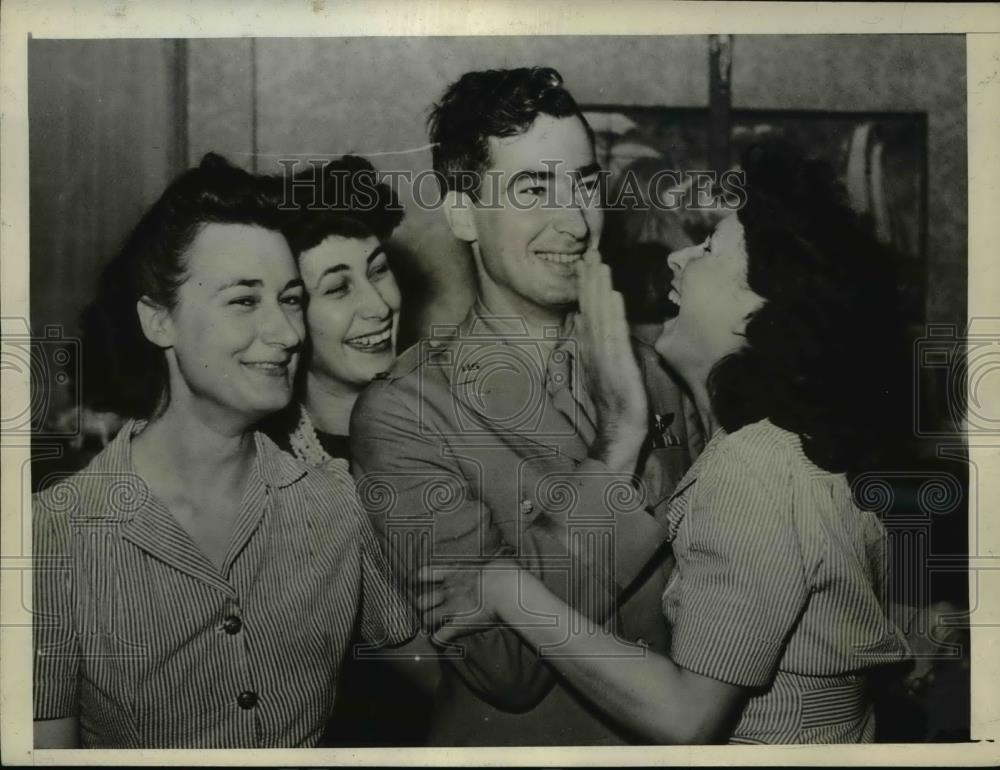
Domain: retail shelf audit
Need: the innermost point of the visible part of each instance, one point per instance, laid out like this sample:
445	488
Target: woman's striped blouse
778	588
153	646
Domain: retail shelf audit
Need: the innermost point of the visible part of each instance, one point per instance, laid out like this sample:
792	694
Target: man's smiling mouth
559	257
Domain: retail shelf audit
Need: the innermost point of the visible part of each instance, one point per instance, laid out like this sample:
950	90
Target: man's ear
458	212
156	322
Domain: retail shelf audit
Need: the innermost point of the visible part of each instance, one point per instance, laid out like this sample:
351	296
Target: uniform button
526	507
232	625
247	699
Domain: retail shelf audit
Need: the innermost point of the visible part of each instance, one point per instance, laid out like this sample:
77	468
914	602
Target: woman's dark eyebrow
256	283
341	268
252	283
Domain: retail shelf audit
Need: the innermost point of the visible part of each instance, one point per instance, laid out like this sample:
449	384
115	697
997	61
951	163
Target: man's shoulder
426	362
415	387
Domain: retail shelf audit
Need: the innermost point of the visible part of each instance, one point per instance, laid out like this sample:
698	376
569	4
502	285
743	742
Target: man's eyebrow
531	175
295	283
375	252
589	170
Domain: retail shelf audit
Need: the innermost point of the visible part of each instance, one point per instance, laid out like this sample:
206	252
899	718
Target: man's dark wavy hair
825	355
346	199
124	372
499	103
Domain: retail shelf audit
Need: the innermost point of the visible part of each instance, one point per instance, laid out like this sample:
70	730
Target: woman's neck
697	382
329	403
181	446
703	405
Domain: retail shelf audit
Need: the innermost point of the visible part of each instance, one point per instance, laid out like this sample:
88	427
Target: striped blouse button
247	699
232	625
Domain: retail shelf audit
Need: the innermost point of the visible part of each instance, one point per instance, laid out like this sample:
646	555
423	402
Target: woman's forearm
61	733
644	691
417	660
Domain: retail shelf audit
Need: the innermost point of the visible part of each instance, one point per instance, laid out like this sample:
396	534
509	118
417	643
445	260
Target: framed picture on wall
881	159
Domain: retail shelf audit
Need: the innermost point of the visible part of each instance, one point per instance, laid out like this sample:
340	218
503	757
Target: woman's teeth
370	341
269	367
674	297
561	257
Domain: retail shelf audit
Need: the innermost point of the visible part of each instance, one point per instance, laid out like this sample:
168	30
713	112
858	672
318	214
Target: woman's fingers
446	634
430	599
428	574
452	600
434	608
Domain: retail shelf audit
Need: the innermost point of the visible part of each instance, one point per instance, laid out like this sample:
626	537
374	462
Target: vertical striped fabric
777	587
152	646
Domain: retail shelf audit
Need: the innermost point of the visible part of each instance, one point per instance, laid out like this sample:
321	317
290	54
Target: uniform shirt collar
484	321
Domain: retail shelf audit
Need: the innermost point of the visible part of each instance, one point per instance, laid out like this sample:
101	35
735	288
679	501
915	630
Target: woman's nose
282	330
373	304
679	259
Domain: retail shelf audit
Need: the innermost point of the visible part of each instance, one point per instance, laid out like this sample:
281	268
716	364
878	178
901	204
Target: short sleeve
386	619
740	587
56	645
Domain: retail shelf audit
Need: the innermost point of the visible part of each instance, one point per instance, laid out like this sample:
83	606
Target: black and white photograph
495	391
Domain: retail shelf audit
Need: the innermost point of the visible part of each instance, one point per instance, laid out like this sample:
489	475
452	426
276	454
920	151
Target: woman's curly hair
824	355
342	198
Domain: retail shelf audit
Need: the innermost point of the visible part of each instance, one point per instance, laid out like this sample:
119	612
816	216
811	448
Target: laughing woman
194	585
352	315
352	312
785	336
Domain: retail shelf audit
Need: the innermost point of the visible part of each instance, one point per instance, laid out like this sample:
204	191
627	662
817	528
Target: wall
371	96
112	121
106	134
905	73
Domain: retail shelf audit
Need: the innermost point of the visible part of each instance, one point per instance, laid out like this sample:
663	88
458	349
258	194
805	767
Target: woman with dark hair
194	585
786	335
337	228
337	232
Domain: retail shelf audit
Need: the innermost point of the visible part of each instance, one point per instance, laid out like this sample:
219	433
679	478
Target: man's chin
561	294
564	302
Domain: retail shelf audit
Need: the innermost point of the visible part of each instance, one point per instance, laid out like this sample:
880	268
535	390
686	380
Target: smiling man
483	440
